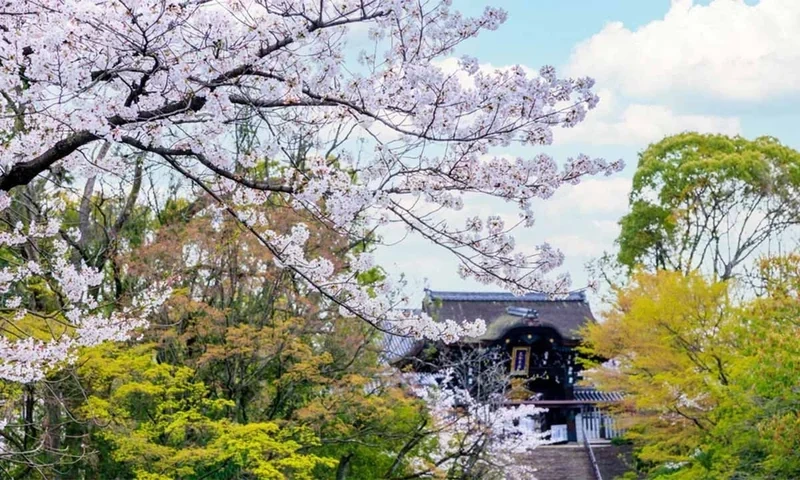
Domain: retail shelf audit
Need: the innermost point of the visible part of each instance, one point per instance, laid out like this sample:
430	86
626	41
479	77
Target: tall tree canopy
341	105
709	202
242	374
711	387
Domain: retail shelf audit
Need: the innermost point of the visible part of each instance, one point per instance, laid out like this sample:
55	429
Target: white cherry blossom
361	141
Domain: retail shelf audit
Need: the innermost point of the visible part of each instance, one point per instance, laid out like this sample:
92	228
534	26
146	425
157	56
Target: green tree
709	202
243	373
670	339
709	374
160	423
757	435
41	437
257	339
711	387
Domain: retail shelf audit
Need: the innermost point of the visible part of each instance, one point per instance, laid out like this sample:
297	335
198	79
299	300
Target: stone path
571	462
561	462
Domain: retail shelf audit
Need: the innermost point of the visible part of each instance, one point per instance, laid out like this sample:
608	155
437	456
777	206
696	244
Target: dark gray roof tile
565	315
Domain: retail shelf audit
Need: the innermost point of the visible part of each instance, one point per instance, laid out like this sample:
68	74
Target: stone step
560	462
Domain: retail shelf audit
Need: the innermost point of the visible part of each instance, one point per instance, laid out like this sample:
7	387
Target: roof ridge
577	296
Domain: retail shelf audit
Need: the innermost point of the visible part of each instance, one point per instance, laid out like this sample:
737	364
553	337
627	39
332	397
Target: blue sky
544	31
662	67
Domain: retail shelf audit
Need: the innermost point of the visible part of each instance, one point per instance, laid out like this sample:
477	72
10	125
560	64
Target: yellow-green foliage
240	376
164	424
712	387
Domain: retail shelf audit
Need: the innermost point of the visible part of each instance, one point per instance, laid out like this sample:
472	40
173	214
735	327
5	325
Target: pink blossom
391	138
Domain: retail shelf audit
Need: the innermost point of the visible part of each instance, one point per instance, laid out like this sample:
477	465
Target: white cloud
639	124
608	228
591	196
727	50
578	245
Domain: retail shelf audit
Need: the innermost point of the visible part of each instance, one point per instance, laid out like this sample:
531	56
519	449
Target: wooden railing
596	423
592	459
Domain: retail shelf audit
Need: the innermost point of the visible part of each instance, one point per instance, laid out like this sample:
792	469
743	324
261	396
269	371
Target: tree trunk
344	467
52	429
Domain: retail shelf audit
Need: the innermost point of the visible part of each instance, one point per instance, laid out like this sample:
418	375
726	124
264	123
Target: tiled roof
589	394
502	297
502	311
396	347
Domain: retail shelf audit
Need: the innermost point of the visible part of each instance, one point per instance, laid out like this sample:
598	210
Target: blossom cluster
461	419
361	142
80	321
